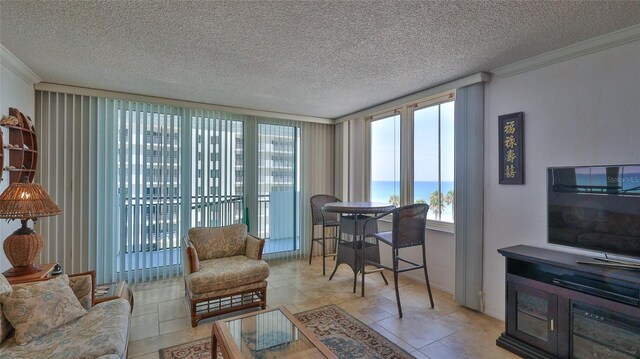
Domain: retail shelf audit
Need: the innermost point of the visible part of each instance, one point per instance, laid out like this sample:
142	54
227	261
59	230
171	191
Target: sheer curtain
132	177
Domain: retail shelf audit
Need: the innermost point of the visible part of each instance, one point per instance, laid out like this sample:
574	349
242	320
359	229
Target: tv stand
611	264
558	307
621	262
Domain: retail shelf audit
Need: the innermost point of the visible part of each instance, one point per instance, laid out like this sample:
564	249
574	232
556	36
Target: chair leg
384	279
395	280
334	272
336	241
426	275
264	298
362	291
311	251
355	279
324	253
192	308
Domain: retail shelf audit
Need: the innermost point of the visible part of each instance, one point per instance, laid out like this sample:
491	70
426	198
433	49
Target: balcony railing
156	220
160	216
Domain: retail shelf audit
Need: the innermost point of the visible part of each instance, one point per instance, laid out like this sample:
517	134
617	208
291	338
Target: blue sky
385	137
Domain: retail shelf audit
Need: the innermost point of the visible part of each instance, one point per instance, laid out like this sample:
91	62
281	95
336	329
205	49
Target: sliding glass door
217	170
149	188
278	179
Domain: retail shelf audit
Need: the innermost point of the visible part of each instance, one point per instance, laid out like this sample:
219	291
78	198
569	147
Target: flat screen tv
596	208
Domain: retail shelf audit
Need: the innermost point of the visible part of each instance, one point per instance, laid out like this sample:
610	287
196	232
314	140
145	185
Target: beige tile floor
160	316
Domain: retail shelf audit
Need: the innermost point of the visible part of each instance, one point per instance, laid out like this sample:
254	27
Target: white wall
583	111
17	92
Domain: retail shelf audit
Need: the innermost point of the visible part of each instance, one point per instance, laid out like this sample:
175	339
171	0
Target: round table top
357	207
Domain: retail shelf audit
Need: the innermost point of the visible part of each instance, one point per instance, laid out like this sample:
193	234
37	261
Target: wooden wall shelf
1	152
22	148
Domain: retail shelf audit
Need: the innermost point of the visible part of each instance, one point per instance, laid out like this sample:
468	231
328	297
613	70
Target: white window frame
406	112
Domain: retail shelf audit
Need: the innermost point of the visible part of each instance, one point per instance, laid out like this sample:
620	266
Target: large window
278	187
433	160
217	171
411	157
148	185
385	160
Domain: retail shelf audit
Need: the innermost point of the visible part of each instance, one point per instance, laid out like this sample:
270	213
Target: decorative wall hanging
511	148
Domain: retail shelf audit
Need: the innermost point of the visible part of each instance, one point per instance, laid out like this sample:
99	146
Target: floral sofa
101	330
223	271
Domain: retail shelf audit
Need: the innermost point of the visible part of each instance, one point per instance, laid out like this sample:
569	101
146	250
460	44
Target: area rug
344	335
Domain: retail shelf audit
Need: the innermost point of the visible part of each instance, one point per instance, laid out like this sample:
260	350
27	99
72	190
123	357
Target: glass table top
270	335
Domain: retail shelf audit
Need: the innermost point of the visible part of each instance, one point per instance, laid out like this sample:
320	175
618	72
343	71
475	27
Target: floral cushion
36	309
254	247
218	242
82	286
5	326
102	332
225	273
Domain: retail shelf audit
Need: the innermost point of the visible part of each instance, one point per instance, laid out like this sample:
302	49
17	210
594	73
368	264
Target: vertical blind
215	155
132	177
149	192
278	187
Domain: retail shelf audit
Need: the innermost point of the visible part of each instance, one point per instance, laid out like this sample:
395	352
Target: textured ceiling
318	58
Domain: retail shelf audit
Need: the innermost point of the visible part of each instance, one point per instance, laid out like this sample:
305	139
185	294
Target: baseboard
494	314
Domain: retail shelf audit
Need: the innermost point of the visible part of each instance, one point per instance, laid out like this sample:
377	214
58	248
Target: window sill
445	227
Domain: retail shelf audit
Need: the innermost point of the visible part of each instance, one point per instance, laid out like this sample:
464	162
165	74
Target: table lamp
25	201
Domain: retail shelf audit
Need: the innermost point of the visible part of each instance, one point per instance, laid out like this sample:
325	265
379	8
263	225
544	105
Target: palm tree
394	200
449	197
421	201
437	203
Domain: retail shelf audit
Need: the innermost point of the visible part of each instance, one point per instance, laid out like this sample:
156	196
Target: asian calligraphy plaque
511	148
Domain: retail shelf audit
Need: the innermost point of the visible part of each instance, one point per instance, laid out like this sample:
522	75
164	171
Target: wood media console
558	308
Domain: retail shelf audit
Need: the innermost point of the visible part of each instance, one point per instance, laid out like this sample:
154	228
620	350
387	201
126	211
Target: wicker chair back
317	202
409	224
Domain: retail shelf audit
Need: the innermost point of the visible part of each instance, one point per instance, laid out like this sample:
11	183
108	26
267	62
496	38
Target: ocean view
382	190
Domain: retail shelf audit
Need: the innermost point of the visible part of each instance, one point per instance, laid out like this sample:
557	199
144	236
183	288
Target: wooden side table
45	272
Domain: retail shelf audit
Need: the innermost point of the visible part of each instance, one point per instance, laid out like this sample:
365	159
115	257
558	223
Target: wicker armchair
223	271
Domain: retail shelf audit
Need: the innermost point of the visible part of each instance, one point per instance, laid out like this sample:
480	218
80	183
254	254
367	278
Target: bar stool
407	231
328	221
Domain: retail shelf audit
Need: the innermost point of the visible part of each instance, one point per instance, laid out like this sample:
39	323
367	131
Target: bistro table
353	253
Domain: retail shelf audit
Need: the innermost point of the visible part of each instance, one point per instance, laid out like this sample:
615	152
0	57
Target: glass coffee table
266	334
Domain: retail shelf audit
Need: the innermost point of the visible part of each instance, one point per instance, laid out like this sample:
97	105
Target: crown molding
18	67
603	42
418	96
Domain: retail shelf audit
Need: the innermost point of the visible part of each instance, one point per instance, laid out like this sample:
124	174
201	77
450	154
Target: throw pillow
35	309
218	242
5	326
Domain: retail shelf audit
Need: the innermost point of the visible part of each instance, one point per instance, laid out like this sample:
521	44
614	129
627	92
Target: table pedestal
350	254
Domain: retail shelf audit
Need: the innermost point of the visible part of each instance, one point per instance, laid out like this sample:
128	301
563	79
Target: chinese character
510	128
511	156
510	171
510	141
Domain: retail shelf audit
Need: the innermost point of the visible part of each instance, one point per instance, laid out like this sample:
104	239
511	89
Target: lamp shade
26	200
